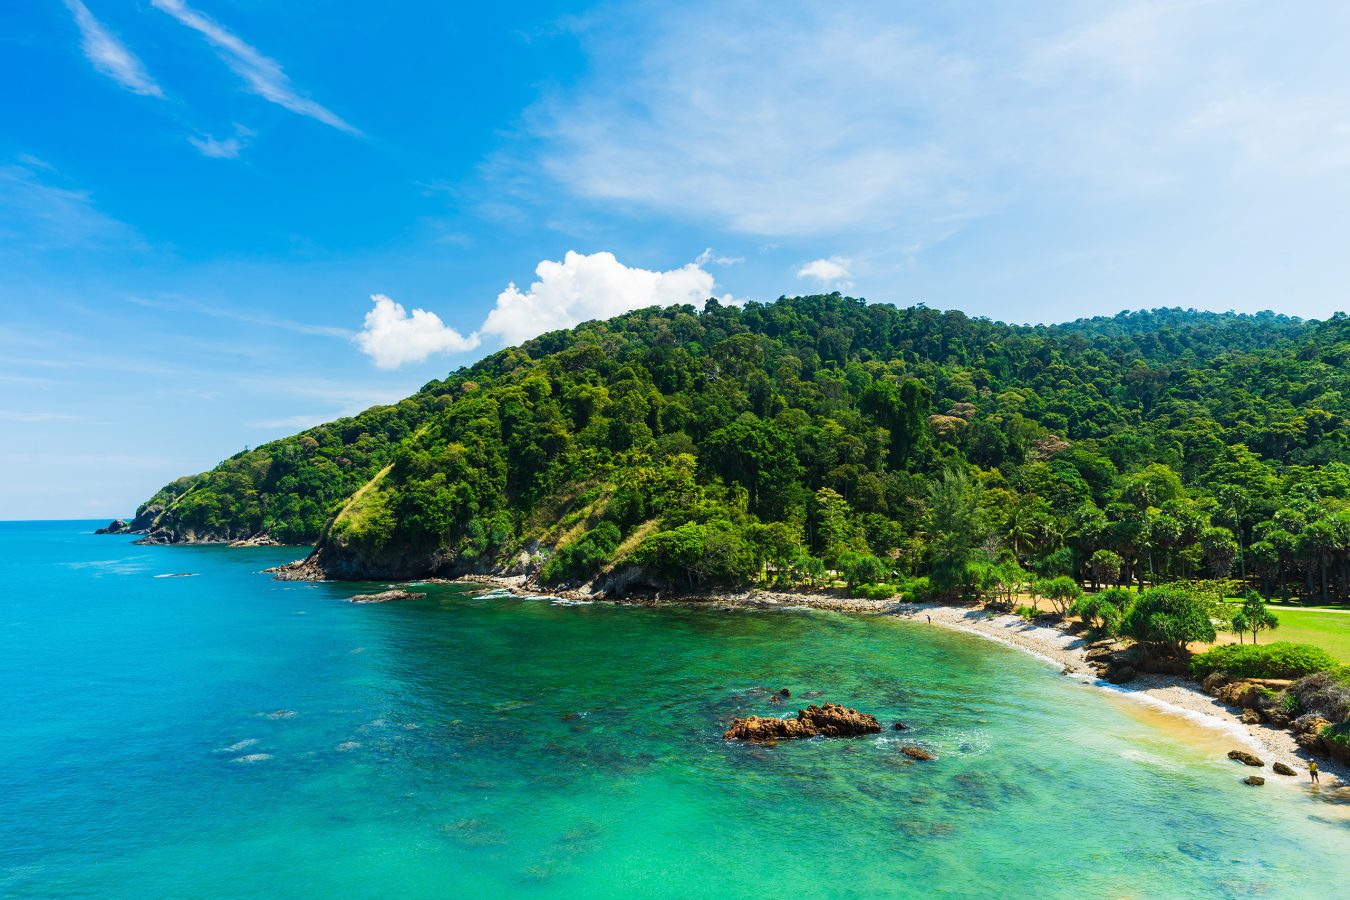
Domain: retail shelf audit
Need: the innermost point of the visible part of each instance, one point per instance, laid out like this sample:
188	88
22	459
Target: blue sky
222	221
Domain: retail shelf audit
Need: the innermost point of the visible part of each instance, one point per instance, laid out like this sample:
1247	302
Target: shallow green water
482	746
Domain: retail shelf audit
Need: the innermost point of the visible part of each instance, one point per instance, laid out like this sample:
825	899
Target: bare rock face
386	596
1281	769
830	720
1246	758
1254	780
116	526
916	752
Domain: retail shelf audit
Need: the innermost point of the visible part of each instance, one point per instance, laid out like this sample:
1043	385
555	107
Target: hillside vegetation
768	443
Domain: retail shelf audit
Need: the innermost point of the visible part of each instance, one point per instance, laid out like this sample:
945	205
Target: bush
864	569
874	591
916	590
1279	660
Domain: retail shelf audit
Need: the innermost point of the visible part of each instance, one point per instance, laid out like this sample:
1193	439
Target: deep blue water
227	735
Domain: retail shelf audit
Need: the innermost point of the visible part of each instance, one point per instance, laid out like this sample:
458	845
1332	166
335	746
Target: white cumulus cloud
583	287
834	270
109	55
580	288
392	336
263	75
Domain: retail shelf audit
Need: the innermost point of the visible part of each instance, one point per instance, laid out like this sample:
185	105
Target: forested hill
772	441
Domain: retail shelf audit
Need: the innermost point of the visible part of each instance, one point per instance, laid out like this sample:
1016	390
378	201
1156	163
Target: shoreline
1169	694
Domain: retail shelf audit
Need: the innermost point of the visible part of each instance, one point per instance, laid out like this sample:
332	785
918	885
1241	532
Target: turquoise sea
226	735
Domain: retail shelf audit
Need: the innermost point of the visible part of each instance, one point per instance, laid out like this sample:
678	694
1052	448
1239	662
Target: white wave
235	748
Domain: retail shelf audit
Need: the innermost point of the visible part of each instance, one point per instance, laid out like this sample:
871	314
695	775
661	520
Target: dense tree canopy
776	440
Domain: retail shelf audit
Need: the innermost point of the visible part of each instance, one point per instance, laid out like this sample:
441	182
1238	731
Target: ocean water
226	735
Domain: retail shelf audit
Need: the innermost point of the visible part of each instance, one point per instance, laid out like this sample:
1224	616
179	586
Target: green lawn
1327	629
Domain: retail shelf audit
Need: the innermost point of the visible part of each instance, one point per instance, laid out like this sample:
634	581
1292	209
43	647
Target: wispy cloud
9	415
228	148
109	55
37	212
185	304
293	423
263	75
708	256
827	119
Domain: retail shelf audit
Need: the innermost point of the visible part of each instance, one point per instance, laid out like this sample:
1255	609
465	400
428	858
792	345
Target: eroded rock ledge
830	720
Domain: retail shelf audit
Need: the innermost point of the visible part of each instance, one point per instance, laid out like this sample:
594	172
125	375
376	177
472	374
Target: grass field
1328	629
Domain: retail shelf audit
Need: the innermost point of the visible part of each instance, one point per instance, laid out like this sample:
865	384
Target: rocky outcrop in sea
830	720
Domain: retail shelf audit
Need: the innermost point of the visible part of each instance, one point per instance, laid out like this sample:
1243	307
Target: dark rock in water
913	751
1254	780
776	698
1246	758
386	596
116	526
900	726
1281	769
784	692
830	720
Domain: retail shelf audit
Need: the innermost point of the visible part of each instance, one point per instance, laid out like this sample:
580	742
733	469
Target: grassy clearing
1327	629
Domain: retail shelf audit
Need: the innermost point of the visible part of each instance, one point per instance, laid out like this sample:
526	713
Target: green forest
812	438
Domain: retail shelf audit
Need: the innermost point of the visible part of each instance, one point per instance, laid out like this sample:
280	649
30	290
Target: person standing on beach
930	620
1312	773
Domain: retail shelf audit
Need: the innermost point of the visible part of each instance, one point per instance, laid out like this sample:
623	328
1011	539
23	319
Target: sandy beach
1174	696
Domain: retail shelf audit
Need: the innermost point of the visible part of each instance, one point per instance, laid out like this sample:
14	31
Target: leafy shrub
1279	660
864	569
1028	612
1105	610
875	591
915	590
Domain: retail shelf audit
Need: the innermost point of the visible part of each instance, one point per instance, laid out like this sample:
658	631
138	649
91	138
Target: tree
1105	610
1170	617
1255	616
1104	566
1062	592
956	528
1220	549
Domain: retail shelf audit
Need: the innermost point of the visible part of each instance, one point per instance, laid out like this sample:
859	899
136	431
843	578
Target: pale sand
1180	700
